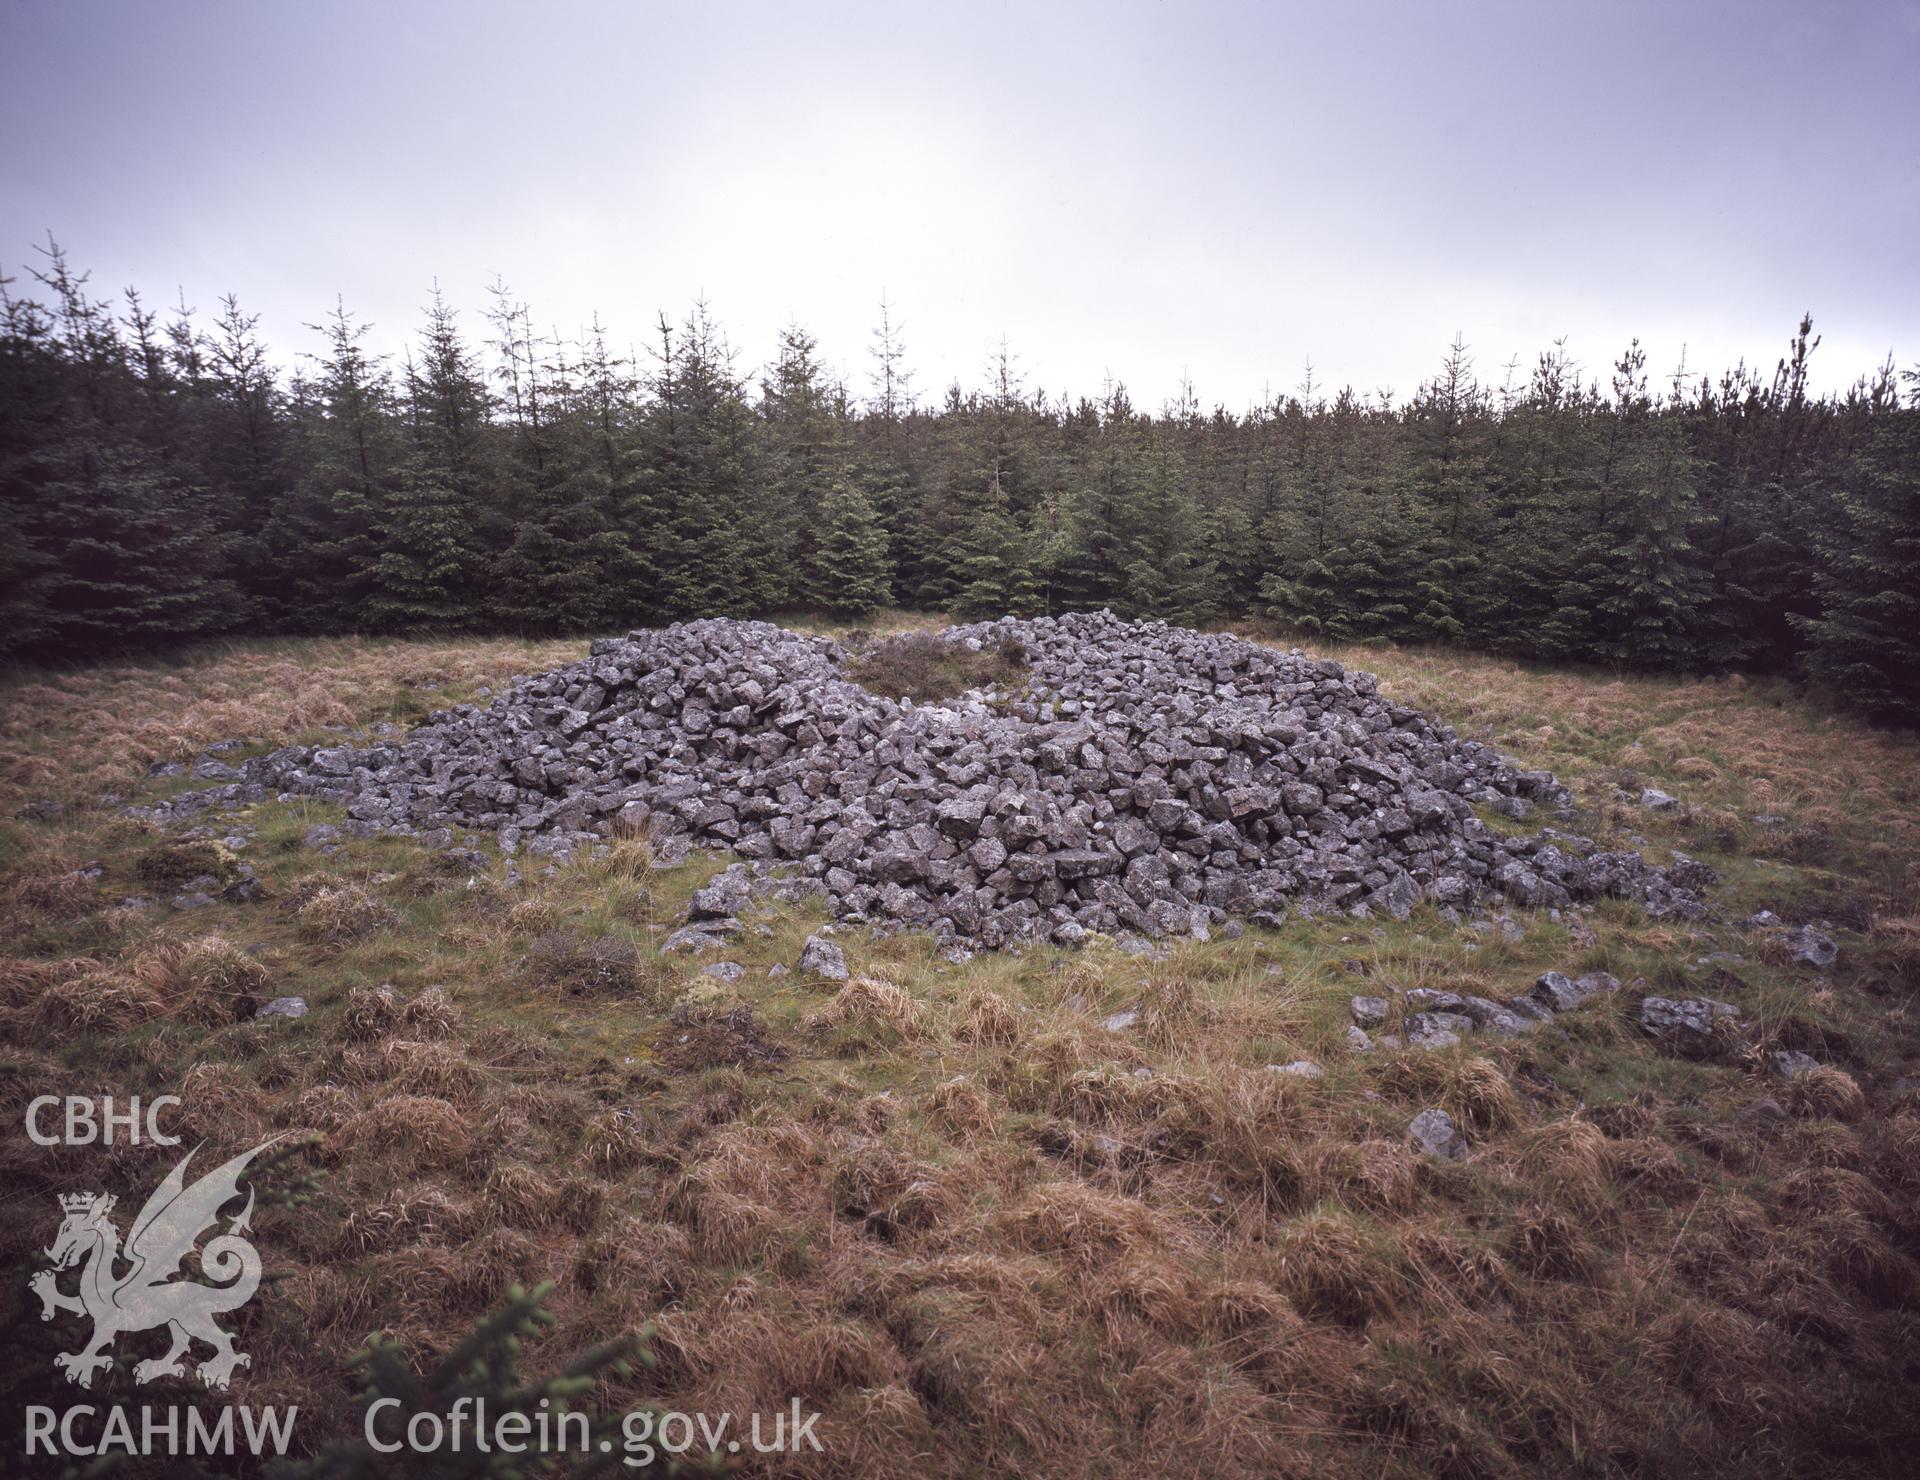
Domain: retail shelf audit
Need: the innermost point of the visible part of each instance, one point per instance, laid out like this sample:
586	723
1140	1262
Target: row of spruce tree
164	479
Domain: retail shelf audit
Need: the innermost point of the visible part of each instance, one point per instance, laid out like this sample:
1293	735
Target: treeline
164	478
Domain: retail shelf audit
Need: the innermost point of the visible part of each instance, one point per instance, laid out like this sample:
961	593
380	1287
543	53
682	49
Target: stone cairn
1135	779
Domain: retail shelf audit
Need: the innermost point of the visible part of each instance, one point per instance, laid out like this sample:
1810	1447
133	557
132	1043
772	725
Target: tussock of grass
371	1012
1474	1090
960	1109
988	1018
1572	1159
1826	1091
432	1129
1084	1226
866	1014
710	1037
1375	1175
169	865
94	998
568	963
32	899
1550	1243
337	913
1335	1267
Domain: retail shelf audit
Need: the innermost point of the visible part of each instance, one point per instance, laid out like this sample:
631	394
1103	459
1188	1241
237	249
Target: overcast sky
1124	188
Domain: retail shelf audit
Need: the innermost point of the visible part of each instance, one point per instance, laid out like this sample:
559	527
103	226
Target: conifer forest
170	475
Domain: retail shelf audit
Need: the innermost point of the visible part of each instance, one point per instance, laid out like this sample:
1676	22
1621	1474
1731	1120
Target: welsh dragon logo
134	1289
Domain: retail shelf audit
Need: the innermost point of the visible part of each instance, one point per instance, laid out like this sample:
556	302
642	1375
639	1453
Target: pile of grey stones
1135	779
1433	1018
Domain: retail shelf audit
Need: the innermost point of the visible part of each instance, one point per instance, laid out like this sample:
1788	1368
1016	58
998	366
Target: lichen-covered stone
1142	780
1434	1132
821	958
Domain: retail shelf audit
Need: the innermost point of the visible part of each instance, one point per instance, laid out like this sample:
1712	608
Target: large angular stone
1556	992
1810	948
1436	1029
1434	1132
820	957
1687	1022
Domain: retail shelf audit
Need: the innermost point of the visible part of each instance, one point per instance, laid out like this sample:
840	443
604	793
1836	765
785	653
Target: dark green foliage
805	461
578	555
1865	642
135	555
990	564
419	568
112	535
161	482
1633	584
851	574
325	535
480	1374
1649	594
420	565
713	533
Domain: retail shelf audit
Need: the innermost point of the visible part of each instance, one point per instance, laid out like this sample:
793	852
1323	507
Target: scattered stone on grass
820	957
1810	948
1687	1022
1556	992
1436	1029
1434	1132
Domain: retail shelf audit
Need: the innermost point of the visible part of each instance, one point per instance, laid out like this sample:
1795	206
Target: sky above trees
1137	190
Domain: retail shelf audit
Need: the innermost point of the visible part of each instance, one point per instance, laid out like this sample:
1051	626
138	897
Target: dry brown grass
983	1234
920	666
959	1108
1474	1091
1333	1267
206	980
43	892
432	1131
568	963
74	734
866	1014
1827	1091
988	1018
94	998
371	1013
337	913
1573	1160
1082	1225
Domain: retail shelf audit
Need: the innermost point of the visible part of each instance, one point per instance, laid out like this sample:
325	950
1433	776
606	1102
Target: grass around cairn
942	1203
